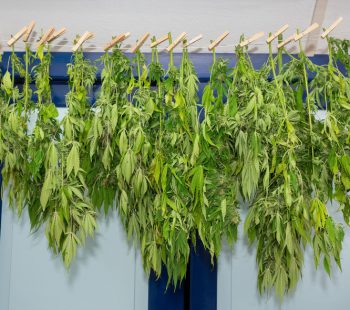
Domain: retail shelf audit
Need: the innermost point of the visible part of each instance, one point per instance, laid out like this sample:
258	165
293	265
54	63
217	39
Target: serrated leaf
223	209
73	161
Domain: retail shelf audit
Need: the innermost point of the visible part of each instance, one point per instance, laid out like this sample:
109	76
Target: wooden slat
176	42
140	42
331	27
86	36
253	38
56	34
218	41
277	33
46	36
17	36
159	41
29	31
194	40
318	16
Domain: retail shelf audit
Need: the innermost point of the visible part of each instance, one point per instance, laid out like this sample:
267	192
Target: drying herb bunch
177	167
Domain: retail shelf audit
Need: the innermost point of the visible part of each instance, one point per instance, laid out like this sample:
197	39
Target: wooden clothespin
17	36
127	35
176	42
218	41
253	38
116	40
194	40
159	41
56	34
306	31
29	31
286	41
86	36
331	27
140	42
277	33
45	37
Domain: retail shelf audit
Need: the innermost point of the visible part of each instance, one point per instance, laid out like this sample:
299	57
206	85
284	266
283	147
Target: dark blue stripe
162	298
203	283
201	62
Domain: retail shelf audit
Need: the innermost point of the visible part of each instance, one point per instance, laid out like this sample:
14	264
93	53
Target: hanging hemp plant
220	217
290	211
43	140
13	150
71	213
177	176
135	149
106	129
340	51
177	167
273	210
336	94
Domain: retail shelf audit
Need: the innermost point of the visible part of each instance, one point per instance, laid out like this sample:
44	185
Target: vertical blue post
160	297
203	275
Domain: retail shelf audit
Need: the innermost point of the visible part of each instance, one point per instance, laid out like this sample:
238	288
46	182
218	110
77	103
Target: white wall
106	18
107	274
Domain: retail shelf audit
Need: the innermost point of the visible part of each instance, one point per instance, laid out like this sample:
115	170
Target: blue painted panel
160	297
201	62
203	275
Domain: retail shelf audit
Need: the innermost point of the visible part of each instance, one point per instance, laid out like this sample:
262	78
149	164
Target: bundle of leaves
71	215
16	111
289	209
142	149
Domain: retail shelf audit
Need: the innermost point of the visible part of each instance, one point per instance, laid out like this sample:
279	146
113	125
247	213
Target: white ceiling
107	18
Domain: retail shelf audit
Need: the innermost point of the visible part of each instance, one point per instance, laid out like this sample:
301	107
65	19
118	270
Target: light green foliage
175	179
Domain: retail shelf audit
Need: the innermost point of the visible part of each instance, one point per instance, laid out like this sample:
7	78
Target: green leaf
149	106
330	229
345	162
332	161
346	181
46	191
106	157
114	116
327	264
164	177
69	248
73	160
123	201
195	150
223	209
289	239
250	176
281	282
128	165
52	156
57	227
6	81
278	228
123	143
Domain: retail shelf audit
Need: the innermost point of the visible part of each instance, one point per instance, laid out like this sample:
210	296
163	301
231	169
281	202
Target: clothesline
98	46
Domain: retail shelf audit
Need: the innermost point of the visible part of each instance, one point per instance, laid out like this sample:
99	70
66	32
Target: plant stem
306	82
